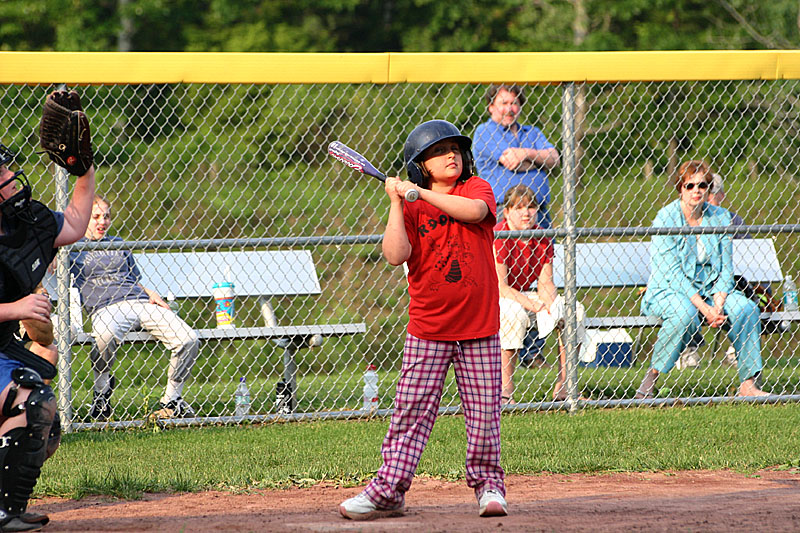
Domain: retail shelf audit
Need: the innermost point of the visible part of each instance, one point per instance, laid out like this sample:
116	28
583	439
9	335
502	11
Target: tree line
396	25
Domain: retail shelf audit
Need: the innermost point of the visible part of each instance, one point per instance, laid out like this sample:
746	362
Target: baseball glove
64	132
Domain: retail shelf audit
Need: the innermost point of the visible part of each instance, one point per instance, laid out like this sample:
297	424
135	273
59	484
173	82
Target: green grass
128	463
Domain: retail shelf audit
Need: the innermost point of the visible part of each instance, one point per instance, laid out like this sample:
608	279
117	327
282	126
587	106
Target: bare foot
538	362
748	388
560	393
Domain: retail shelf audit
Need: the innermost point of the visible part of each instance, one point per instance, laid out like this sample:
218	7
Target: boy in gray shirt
111	292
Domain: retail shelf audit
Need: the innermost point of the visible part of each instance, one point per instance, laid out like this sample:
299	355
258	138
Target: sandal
507	400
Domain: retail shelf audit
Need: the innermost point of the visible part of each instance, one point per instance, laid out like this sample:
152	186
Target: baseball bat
356	161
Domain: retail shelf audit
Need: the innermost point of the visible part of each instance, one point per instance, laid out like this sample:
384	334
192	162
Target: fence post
570	327
64	333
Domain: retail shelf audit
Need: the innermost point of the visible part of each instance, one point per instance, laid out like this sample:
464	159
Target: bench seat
275	332
641	321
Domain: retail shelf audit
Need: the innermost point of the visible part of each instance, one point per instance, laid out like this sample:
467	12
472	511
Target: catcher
30	233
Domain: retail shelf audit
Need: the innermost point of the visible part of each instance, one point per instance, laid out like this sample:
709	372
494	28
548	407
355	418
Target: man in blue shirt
508	154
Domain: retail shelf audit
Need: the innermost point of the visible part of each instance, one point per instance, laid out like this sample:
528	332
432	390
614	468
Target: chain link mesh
191	162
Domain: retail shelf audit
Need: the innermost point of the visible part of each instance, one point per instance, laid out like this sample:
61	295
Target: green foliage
413	25
22	27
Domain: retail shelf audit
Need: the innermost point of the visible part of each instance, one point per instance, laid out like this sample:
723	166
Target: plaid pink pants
419	391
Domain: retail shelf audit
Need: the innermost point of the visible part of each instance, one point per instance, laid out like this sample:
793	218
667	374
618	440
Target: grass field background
342	392
125	464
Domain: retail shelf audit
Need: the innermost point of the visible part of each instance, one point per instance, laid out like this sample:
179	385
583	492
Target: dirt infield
673	501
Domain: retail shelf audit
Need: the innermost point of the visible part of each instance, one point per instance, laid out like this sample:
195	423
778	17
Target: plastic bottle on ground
790	295
371	388
242	399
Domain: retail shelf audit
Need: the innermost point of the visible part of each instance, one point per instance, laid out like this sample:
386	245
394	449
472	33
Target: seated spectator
689	357
520	263
508	153
111	292
692	275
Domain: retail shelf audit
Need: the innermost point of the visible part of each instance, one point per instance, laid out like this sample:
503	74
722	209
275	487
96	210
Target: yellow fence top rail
520	67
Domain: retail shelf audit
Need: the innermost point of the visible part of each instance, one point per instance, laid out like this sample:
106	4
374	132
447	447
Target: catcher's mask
18	204
426	135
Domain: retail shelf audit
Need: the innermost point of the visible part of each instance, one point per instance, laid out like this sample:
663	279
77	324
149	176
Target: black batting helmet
426	135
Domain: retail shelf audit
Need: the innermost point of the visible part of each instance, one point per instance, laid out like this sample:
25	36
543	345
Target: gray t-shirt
106	277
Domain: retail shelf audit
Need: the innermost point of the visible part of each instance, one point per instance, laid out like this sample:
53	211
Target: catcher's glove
64	132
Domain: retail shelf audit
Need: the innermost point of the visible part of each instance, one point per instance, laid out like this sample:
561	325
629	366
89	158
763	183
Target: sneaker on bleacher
730	357
689	358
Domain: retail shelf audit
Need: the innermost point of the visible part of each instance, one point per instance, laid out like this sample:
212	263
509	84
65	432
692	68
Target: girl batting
446	240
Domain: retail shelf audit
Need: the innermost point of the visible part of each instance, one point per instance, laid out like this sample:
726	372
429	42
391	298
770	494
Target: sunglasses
702	185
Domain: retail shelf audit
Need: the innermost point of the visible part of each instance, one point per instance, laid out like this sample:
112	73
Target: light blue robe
675	276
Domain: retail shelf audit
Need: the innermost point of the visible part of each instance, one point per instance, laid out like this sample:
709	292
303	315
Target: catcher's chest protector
26	253
24	257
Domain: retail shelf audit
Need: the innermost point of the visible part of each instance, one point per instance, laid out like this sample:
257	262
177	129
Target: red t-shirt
524	258
452	280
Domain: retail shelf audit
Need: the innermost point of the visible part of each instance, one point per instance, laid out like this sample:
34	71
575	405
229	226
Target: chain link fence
196	169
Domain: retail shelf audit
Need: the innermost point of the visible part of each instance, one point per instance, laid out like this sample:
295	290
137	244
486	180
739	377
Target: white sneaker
361	508
689	358
492	503
730	357
177	408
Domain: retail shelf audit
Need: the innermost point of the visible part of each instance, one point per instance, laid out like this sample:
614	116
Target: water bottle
789	295
371	389
173	305
242	399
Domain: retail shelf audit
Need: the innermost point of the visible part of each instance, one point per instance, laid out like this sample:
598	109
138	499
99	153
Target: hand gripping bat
354	160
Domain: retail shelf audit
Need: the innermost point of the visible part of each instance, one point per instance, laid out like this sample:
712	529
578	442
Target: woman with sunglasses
691	278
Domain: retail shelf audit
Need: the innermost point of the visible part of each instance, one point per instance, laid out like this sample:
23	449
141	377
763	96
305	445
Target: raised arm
77	213
470	210
395	246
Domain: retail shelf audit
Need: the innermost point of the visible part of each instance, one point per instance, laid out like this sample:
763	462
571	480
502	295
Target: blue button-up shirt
491	140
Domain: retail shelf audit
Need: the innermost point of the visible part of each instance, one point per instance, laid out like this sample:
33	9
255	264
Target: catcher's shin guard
54	436
25	449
